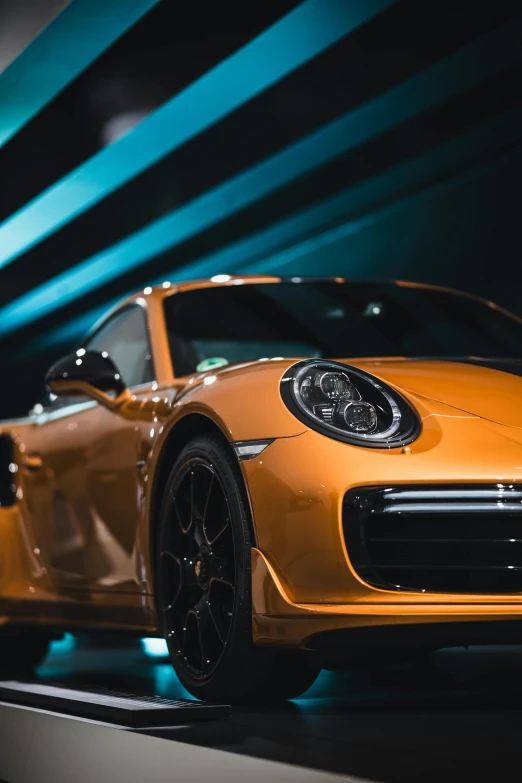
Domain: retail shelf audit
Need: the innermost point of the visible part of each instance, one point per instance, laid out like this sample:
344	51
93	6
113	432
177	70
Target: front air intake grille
450	539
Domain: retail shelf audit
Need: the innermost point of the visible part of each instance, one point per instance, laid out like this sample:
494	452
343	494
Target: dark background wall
413	119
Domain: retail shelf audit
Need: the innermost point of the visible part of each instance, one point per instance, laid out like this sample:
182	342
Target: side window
126	340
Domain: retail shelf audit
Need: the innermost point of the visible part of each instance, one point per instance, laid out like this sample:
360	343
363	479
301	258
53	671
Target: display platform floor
455	716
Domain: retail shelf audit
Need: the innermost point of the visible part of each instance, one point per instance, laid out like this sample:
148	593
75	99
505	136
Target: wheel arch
182	432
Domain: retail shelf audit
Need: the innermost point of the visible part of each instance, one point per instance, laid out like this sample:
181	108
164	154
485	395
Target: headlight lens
349	404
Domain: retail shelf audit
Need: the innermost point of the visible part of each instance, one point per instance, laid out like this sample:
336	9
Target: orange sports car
276	476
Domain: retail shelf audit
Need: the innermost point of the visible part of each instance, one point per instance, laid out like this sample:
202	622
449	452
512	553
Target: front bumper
279	621
304	582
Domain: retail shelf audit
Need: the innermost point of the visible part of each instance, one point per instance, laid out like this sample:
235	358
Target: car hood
485	388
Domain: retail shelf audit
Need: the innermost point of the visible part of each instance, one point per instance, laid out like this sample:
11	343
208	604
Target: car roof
168	288
222	280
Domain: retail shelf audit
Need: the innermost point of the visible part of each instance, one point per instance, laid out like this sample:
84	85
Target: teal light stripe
276	263
255	253
269	250
298	37
73	40
67	334
449	77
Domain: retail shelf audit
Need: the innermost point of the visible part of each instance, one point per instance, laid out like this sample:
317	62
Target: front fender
244	401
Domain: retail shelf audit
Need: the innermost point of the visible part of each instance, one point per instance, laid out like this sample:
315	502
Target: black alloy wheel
197	568
203	583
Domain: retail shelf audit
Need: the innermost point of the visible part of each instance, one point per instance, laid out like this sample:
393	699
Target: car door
88	459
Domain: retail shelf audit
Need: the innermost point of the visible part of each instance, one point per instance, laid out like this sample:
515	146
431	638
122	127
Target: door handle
32	462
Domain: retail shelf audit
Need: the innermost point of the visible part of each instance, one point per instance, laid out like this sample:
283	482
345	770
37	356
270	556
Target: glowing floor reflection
155	648
126	665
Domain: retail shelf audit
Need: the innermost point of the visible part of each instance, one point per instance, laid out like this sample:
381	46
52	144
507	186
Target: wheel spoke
221	605
221	568
183	502
221	636
224	582
217	516
199	535
203	481
192	651
212	642
191	497
170	574
207	499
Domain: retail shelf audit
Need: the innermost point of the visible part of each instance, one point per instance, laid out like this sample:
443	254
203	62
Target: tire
20	654
203	584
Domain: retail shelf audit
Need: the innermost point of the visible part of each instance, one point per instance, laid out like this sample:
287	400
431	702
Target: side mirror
87	373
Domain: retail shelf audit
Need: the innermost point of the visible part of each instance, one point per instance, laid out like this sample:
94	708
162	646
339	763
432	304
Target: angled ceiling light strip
67	333
449	77
68	45
261	252
253	254
296	38
277	262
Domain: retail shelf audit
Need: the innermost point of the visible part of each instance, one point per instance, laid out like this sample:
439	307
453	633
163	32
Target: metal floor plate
120	708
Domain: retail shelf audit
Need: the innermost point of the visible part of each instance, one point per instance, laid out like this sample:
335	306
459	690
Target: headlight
348	404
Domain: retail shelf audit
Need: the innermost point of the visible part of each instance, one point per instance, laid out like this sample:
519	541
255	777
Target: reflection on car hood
486	388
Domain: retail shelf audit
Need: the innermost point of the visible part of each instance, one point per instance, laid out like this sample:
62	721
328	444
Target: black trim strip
65	614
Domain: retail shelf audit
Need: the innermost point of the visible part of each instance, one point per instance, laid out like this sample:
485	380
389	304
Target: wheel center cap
201	565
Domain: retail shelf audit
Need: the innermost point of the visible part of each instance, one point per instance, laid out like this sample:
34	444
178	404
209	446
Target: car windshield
209	327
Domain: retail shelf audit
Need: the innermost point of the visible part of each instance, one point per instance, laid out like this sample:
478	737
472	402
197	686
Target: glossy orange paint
76	547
